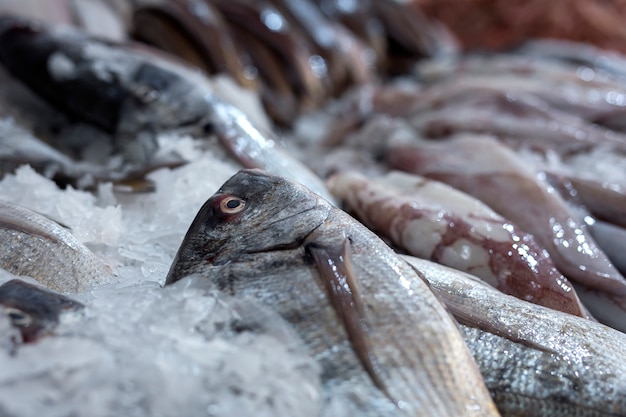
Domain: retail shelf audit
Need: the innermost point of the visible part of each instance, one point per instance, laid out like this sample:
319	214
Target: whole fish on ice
134	94
365	314
536	362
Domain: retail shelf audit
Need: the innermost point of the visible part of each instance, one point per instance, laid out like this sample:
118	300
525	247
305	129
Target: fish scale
300	301
539	385
41	248
392	340
536	362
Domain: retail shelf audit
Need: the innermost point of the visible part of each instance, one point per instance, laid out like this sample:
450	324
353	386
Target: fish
434	221
41	248
196	32
366	316
360	19
133	94
412	30
345	54
123	89
306	68
33	310
536	362
20	147
256	149
487	170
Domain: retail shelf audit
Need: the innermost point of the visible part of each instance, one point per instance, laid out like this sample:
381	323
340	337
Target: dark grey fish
122	89
536	362
33	310
36	246
366	316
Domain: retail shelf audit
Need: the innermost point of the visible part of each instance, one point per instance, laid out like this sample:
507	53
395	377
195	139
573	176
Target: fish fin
339	279
466	317
462	312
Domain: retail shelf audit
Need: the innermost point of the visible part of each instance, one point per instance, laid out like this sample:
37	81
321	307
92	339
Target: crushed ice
138	349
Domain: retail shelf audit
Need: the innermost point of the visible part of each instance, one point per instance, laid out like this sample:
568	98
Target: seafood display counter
301	208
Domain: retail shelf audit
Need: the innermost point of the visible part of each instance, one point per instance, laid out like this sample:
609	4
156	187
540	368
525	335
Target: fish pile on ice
449	242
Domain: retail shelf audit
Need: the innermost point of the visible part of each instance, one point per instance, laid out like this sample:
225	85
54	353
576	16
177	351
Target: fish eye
146	94
18	317
232	205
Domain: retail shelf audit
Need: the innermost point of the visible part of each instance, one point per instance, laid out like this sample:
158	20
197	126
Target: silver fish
255	149
38	247
434	221
365	314
536	362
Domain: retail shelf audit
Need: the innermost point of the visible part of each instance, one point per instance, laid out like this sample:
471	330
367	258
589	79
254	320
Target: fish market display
277	303
535	361
365	315
297	53
134	94
434	221
45	250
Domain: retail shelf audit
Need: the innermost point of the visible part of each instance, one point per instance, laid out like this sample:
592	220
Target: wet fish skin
33	310
294	251
536	362
433	221
38	247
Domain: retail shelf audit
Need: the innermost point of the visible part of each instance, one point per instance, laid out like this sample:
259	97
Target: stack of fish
378	324
295	54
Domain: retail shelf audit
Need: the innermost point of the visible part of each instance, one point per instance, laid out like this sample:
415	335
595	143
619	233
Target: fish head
33	310
161	99
253	212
